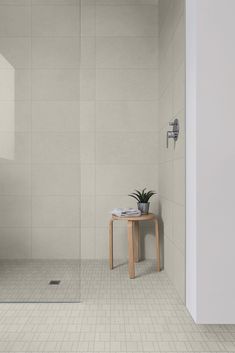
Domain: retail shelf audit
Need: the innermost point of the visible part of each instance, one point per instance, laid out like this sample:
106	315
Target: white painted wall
210	150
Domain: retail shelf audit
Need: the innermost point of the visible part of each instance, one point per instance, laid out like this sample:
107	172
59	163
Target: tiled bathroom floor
115	315
28	280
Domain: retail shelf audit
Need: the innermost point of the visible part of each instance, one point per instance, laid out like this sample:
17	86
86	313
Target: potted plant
143	199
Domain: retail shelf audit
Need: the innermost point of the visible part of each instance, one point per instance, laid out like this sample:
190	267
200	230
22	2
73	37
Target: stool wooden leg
111	244
131	264
157	246
137	241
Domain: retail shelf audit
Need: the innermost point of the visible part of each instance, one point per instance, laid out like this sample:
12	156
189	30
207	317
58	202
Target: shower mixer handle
174	133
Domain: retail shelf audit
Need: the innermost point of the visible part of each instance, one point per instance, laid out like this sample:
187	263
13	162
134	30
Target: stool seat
133	239
144	217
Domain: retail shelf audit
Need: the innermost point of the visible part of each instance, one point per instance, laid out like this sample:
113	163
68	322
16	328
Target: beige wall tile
54	53
17	51
15	179
166	180
87	84
121	179
179	10
88	211
166	106
126	116
166	68
88	116
120	248
88	52
167	215
87	147
179	90
126	52
163	10
125	21
88	21
22	85
55	243
101	241
22	116
22	149
55	211
179	227
179	181
126	148
55	21
126	85
55	179
55	85
179	44
172	166
15	243
50	147
15	2
14	21
169	257
55	116
15	211
88	243
54	2
88	179
179	273
124	2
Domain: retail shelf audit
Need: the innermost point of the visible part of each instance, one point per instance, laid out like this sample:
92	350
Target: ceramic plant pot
143	207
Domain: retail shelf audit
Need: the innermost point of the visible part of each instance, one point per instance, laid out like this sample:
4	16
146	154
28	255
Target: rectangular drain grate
54	282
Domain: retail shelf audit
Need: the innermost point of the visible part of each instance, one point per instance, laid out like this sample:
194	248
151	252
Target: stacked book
125	212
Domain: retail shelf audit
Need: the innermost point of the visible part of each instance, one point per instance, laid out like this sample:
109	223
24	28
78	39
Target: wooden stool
133	240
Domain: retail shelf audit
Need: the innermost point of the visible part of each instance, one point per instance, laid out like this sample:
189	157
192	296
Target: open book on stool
125	212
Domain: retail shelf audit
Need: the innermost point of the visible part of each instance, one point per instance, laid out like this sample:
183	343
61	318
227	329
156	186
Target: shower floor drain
54	282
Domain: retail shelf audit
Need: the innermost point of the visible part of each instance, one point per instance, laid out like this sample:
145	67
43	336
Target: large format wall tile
124	147
55	211
55	147
15	179
15	243
126	116
22	85
17	51
15	211
55	243
126	85
88	27
88	243
55	21
54	2
41	186
55	116
60	52
55	85
55	179
22	149
126	52
126	21
117	179
14	21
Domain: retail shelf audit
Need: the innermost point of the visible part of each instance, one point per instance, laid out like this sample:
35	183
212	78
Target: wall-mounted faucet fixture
174	133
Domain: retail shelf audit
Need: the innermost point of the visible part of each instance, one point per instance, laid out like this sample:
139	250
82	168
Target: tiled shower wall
172	160
40	188
119	117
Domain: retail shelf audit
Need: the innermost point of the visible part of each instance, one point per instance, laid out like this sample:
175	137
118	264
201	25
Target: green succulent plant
142	196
